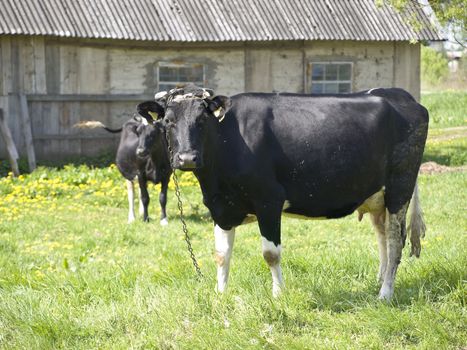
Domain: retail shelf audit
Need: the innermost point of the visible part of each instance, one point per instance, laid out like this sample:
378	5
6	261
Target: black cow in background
146	162
260	155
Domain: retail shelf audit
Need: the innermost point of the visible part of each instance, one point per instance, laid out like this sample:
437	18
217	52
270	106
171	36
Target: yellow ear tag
217	113
154	115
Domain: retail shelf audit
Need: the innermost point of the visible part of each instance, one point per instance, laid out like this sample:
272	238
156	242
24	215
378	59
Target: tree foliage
448	12
434	66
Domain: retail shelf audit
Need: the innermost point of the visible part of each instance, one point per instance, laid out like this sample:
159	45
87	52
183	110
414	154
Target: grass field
74	275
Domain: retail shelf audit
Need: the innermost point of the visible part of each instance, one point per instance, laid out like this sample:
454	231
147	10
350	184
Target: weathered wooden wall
98	70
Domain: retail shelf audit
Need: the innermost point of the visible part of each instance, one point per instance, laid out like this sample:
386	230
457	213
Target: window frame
309	77
164	64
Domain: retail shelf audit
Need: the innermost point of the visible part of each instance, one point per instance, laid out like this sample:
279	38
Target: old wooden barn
64	61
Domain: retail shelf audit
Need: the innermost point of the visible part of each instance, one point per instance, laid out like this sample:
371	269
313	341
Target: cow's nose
140	152
187	160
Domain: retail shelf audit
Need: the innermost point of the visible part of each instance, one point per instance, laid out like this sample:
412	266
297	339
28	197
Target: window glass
318	71
172	75
330	77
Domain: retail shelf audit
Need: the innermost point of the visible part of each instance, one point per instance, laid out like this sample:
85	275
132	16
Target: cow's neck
208	175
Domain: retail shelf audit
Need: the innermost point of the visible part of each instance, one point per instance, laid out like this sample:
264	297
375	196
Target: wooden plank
15	63
6	65
60	137
12	153
51	146
93	78
39	65
52	68
69	69
1	66
26	65
27	132
88	97
36	109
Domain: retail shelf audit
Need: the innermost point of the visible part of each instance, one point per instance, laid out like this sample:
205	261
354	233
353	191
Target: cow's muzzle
187	161
141	152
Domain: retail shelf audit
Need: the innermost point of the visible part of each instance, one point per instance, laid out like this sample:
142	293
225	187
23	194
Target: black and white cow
260	155
141	155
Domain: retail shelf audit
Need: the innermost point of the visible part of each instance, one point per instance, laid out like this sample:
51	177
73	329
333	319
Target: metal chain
181	216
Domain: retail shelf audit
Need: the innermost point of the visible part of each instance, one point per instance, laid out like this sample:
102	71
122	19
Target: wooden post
27	132
10	145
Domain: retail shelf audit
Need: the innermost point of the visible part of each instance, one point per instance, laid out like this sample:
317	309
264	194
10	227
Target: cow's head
189	120
150	132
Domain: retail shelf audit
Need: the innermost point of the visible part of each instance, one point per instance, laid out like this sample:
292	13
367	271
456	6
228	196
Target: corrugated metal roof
215	20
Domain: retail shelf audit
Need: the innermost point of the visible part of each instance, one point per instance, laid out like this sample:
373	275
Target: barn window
330	77
171	75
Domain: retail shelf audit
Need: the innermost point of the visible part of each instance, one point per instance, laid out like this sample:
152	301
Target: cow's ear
150	110
219	106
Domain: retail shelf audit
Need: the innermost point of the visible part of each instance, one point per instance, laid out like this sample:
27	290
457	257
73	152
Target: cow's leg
143	188
163	202
395	238
269	221
131	200
378	223
141	205
224	240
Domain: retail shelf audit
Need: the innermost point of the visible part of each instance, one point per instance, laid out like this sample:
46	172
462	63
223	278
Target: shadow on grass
449	155
432	283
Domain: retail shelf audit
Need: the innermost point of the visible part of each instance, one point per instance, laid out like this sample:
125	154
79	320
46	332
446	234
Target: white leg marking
131	198
164	222
272	255
224	241
378	223
393	230
141	206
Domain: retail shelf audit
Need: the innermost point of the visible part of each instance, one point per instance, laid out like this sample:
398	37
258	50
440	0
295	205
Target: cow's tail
417	226
93	124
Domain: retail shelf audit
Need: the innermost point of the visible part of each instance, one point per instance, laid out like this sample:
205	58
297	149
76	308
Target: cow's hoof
276	291
164	222
385	294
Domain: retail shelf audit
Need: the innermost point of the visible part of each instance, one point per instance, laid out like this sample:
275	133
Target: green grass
447	136
74	275
447	108
446	147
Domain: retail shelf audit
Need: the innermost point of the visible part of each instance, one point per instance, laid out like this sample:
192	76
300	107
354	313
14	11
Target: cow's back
318	148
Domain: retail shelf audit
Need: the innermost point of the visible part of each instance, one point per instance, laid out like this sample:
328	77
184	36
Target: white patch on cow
164	222
378	223
144	120
373	204
272	255
224	240
394	241
160	94
369	91
190	96
141	205
249	219
131	199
